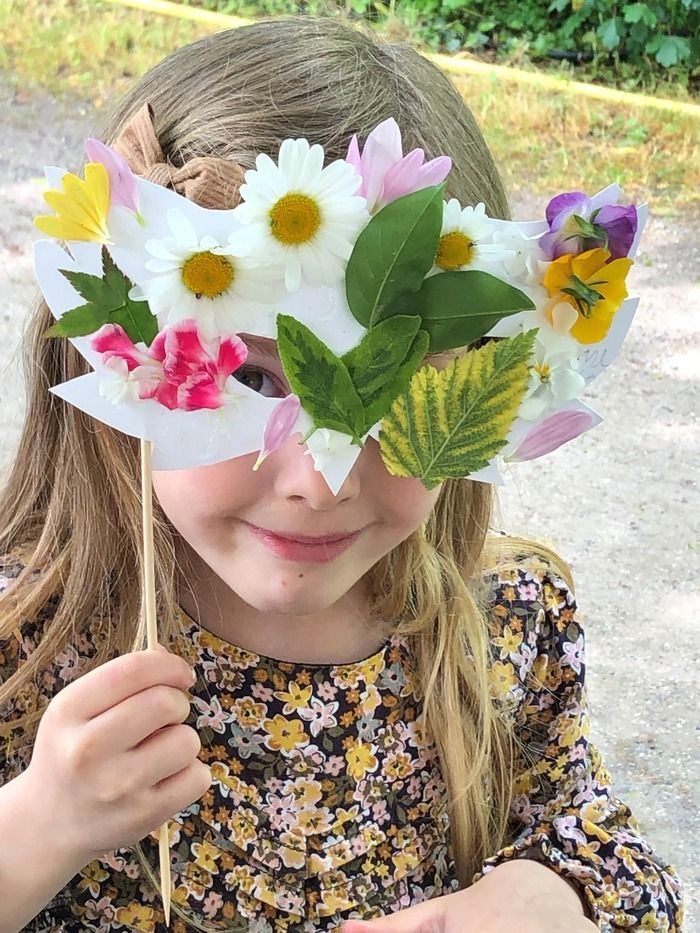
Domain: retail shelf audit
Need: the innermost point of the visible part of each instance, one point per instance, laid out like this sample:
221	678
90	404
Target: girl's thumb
427	917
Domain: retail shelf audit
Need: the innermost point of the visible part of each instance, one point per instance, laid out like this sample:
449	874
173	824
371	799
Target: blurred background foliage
643	46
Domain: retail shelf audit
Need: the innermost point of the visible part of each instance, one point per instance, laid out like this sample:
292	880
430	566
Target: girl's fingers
427	917
111	683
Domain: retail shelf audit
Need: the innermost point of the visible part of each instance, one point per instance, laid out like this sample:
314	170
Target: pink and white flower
178	370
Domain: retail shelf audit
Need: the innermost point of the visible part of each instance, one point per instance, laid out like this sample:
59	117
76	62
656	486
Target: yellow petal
64	229
97	184
557	274
78	191
69	208
593	329
615	286
585	265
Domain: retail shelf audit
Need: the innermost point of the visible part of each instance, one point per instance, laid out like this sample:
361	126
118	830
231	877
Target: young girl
371	714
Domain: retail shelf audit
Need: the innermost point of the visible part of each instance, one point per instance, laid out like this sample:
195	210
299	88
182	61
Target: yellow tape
448	63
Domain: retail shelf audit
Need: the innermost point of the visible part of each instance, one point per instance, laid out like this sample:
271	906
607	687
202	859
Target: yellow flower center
543	370
207	274
454	251
294	219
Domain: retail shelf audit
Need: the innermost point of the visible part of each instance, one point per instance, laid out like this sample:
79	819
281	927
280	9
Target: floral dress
327	802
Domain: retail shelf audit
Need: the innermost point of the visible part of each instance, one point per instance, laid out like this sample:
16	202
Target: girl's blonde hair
74	489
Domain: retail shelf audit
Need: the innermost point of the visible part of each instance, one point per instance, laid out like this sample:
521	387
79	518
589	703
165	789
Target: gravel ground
629	523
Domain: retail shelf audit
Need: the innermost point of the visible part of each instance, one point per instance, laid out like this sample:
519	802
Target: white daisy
553	375
215	283
303	218
466	241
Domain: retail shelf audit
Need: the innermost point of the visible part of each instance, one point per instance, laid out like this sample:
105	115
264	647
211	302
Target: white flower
553	375
197	277
526	262
466	241
326	446
118	387
303	218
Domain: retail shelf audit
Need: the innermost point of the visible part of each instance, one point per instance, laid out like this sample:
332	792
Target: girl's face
278	538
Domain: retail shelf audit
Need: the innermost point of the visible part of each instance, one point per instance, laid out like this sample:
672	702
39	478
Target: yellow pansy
81	208
284	734
594	287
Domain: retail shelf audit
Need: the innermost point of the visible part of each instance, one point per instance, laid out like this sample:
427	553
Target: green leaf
107	302
319	378
459	307
382	364
608	34
452	422
669	50
640	13
394	253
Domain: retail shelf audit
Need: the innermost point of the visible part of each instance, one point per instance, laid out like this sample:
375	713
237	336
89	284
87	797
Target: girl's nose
297	478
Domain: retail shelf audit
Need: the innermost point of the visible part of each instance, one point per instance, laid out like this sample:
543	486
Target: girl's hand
517	897
112	759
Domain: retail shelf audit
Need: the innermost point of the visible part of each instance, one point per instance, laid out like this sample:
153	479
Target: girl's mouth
297	547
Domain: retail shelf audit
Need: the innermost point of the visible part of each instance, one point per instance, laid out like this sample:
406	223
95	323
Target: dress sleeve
564	812
15	649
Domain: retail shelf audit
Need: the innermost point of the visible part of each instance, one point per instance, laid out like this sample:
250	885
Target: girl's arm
565	814
34	866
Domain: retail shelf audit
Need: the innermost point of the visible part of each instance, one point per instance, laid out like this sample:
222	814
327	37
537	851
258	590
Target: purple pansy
575	226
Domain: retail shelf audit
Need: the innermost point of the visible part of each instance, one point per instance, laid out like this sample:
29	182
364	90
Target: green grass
543	141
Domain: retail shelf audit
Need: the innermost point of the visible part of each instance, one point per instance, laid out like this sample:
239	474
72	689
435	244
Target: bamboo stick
149	608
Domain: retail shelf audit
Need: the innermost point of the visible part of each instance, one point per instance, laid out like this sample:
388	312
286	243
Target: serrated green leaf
319	378
108	302
379	365
77	323
394	253
457	308
452	422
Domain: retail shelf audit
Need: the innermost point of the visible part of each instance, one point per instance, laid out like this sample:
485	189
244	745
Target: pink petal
402	177
353	158
183	350
434	172
163	392
551	433
122	182
411	174
200	391
381	150
232	355
112	340
279	426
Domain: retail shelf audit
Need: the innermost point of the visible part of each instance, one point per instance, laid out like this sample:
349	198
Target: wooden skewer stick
149	604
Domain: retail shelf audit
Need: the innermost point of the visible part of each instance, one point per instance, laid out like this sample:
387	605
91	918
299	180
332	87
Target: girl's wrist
549	881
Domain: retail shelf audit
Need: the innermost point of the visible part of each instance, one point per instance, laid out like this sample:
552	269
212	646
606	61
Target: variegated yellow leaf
452	422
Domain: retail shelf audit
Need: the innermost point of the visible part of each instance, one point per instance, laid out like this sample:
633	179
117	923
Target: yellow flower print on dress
360	759
284	734
509	643
502	678
248	713
137	917
206	856
295	698
594	287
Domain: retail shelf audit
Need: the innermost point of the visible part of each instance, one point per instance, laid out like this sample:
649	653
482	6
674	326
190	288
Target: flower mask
358	269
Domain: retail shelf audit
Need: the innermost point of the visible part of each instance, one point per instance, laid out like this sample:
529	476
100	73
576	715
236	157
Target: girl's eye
259	381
